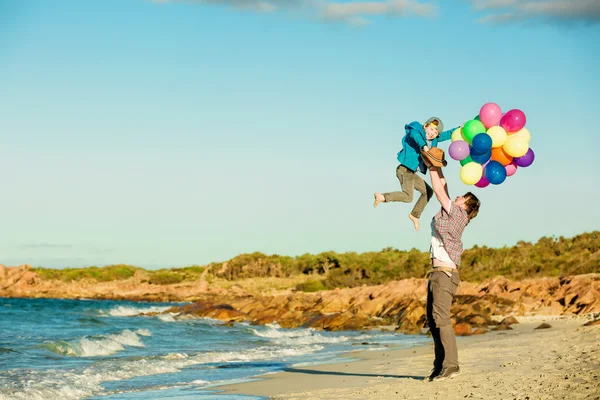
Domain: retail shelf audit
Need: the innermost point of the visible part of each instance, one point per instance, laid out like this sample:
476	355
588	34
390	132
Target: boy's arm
440	188
446	135
414	131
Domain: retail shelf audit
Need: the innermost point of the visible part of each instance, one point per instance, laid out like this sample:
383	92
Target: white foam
103	345
166	317
75	385
299	336
129	311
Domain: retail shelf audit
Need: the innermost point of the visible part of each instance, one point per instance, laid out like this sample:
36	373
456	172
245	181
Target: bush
165	278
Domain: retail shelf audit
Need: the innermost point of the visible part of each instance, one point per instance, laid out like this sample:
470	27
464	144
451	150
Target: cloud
352	12
565	11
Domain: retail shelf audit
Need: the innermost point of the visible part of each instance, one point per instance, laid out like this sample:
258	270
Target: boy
418	137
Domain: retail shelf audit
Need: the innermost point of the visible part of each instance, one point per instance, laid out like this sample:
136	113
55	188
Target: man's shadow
316	372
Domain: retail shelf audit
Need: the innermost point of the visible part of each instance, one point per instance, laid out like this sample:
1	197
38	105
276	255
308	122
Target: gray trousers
441	288
409	182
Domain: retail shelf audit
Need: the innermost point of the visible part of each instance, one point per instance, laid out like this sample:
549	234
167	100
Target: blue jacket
413	142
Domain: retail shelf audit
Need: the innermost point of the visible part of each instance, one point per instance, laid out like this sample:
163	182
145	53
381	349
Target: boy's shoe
447	373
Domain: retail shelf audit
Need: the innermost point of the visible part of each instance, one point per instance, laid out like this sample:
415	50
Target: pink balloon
483	182
490	115
511	169
513	121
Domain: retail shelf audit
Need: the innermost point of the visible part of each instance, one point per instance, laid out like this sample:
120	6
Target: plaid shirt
450	227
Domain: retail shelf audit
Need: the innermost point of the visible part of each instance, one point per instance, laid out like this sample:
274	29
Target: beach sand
562	362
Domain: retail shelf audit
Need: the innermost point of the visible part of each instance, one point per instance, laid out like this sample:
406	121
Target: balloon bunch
491	146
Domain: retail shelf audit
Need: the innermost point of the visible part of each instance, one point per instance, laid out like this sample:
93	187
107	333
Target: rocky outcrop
399	304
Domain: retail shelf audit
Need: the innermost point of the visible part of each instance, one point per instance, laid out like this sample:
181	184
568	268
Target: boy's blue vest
412	143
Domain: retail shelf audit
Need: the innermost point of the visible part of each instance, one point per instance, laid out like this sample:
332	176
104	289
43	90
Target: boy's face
431	132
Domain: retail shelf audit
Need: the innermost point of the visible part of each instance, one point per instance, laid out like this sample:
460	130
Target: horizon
161	133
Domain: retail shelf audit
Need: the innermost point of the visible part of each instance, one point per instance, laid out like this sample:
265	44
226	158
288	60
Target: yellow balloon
524	133
516	146
498	135
471	173
457	135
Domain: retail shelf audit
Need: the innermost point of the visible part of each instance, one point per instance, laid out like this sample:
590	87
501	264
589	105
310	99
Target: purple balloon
513	121
526	160
459	150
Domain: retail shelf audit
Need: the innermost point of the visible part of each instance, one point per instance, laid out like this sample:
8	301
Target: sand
562	362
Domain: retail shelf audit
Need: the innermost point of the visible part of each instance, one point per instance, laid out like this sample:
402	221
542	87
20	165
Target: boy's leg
426	193
407	183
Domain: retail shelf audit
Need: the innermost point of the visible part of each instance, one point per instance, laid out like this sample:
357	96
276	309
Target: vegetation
548	257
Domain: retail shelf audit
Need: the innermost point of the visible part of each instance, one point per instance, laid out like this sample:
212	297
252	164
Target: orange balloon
500	155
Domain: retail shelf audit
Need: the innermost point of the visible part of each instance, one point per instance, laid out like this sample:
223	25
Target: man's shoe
434	372
447	373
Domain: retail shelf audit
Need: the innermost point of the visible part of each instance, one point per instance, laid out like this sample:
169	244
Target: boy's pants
409	181
441	288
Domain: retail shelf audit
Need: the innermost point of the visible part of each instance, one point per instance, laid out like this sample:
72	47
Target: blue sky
172	133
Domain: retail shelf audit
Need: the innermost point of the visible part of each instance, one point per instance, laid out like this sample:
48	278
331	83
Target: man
446	249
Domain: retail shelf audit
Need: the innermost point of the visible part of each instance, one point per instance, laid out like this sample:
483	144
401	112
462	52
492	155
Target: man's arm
440	188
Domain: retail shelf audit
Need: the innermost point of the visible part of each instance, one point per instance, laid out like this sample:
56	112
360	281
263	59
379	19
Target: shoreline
520	363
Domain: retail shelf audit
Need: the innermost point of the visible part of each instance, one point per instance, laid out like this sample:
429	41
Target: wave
282	336
103	345
129	311
75	385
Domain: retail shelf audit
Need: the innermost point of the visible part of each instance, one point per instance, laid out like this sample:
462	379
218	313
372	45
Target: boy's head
470	203
433	127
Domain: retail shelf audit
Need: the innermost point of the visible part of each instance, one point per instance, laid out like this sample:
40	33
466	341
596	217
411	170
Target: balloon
459	150
513	121
498	154
477	118
482	143
472	128
526	160
524	133
483	182
495	173
490	114
498	135
457	135
515	146
466	161
481	158
510	169
471	173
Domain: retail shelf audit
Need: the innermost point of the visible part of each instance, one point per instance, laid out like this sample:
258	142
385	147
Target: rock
479	331
544	326
509	321
592	323
339	322
462	329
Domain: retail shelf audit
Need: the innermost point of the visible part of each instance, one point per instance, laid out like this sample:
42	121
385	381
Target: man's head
433	127
470	203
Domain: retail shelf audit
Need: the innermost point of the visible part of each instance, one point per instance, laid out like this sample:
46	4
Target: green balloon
477	118
466	160
472	128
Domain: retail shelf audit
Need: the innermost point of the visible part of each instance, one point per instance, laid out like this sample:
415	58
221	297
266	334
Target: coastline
559	362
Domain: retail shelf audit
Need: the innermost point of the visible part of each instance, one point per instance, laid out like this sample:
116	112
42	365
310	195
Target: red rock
463	329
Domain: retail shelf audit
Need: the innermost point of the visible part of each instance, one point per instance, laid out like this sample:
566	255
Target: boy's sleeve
446	135
414	131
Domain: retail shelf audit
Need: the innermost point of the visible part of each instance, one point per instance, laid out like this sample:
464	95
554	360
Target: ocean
88	349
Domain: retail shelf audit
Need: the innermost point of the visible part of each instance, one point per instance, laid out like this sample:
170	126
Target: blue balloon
480	158
482	143
495	172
